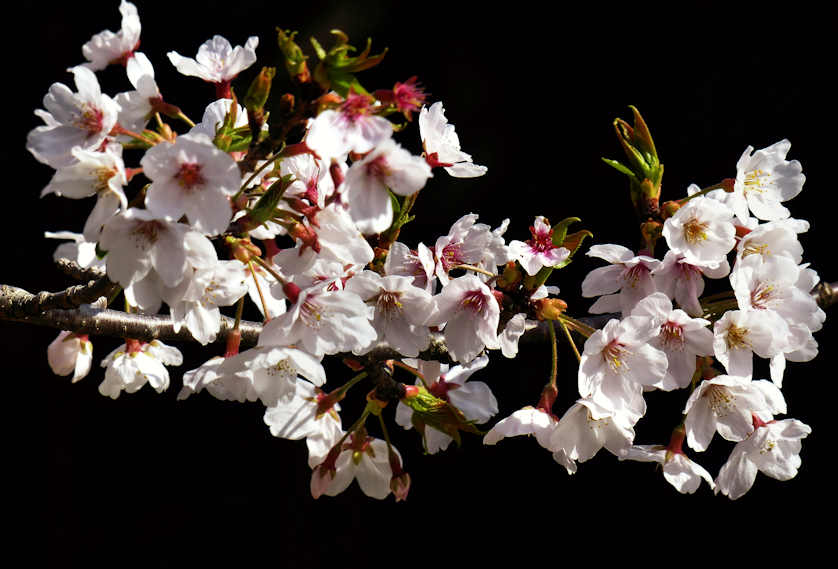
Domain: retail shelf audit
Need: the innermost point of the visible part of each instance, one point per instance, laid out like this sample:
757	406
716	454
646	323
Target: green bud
429	410
260	88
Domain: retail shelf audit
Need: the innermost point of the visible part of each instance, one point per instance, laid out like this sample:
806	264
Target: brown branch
17	304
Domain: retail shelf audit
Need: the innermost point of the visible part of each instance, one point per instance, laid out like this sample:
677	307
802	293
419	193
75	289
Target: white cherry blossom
740	334
726	404
108	47
93	173
442	145
217	60
418	264
471	314
617	362
683	281
525	421
83	119
197	304
360	457
680	337
764	179
702	231
684	474
322	321
772	448
401	310
586	427
388	166
70	353
352	127
629	276
191	177
134	364
305	413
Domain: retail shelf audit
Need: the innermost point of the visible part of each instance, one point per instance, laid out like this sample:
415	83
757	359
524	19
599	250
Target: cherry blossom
194	178
352	127
618	361
322	321
388	166
683	281
442	145
586	427
134	364
539	251
702	231
628	273
307	412
471	314
83	119
217	60
70	353
773	448
684	474
525	421
681	338
108	47
360	457
401	310
726	404
198	300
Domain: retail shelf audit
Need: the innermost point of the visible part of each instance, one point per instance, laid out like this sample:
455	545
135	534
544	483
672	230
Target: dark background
150	481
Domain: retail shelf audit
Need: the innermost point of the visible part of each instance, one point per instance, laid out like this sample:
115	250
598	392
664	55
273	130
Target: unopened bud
549	308
669	208
260	88
511	276
410	391
400	486
243	249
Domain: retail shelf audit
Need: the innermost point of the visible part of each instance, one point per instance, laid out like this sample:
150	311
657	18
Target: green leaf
619	167
266	206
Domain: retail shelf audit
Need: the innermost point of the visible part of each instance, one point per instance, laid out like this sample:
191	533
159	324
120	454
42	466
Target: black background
146	480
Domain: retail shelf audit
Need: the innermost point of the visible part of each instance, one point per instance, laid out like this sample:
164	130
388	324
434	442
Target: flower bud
511	277
400	486
549	308
243	249
669	208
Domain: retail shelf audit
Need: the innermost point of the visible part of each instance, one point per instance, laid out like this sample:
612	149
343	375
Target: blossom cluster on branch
295	203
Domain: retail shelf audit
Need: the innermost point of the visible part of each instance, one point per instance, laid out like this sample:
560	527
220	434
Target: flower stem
569	339
412	370
270	270
554	354
475	269
577	326
259	290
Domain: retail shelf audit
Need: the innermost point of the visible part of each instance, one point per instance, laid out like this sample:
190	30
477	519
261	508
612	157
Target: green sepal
337	68
230	138
560	230
573	241
265	208
100	253
429	410
294	58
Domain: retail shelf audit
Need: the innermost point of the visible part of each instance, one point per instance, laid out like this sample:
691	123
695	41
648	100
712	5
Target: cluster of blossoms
302	219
